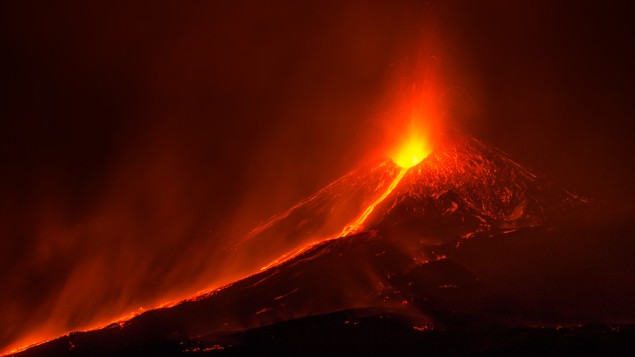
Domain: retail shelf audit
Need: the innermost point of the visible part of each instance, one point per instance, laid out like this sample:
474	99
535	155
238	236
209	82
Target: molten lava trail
350	229
359	222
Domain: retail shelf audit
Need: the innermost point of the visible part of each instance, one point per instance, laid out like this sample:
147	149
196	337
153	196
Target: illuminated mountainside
455	246
318	217
463	188
466	187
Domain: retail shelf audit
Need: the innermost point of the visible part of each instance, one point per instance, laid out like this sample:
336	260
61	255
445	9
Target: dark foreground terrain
459	305
371	333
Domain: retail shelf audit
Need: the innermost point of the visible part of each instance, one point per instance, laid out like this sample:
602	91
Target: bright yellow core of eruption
412	152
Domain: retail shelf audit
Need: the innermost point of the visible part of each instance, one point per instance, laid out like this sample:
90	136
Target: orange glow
415	110
359	222
350	229
290	255
413	150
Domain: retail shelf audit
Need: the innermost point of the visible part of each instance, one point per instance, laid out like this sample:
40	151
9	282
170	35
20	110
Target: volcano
465	252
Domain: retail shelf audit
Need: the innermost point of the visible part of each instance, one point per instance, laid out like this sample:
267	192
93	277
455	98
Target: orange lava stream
359	222
350	229
353	228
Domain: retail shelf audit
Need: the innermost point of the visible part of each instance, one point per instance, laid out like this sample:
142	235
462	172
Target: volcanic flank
451	249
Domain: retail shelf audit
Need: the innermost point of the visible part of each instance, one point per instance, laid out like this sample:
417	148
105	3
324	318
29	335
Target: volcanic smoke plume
283	177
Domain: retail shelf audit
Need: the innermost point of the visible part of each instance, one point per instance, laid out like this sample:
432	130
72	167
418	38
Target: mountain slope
424	257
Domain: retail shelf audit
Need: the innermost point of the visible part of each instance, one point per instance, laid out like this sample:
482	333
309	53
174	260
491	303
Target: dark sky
134	135
558	91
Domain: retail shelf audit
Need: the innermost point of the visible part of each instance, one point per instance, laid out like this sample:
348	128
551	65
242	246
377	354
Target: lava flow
338	205
359	222
414	150
404	256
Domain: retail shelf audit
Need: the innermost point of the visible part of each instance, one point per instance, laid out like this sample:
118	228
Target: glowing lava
413	151
359	222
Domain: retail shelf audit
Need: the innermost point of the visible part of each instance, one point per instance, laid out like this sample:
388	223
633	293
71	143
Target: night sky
136	140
